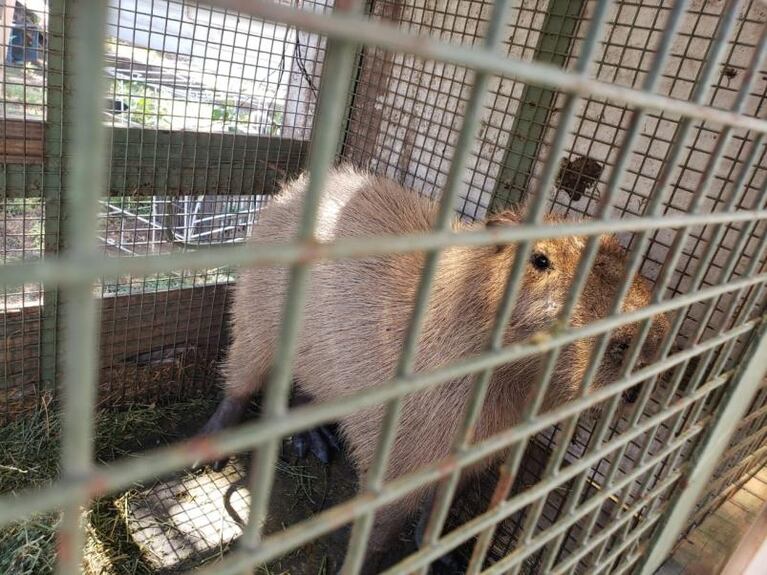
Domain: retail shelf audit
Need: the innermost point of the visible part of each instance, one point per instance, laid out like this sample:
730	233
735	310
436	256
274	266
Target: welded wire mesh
208	110
27	229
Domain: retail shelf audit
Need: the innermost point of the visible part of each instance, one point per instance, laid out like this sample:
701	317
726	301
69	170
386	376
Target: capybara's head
549	273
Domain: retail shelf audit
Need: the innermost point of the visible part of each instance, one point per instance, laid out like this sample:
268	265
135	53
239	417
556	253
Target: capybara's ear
509	217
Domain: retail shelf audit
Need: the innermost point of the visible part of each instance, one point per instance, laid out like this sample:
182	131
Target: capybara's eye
541	261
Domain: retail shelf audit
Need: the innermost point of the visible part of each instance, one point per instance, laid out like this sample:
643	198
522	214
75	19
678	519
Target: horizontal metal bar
592	505
705	457
339	515
165	460
586	548
67	270
631	540
383	35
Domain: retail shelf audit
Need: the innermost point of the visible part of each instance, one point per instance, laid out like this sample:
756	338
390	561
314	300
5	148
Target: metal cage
140	135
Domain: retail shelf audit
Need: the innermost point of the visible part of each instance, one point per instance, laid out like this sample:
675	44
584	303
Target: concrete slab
183	521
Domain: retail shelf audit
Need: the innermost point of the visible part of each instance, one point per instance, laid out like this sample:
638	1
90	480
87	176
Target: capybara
357	313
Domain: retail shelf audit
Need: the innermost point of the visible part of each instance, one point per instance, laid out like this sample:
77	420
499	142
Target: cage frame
79	25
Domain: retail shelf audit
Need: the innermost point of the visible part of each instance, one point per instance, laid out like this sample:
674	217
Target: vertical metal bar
84	186
734	405
376	475
339	62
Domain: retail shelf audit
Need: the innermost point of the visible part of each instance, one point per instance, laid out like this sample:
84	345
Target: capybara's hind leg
243	379
390	522
228	413
321	441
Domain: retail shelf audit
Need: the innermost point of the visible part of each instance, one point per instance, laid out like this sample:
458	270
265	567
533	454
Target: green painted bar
49	180
49	183
84	34
532	117
66	270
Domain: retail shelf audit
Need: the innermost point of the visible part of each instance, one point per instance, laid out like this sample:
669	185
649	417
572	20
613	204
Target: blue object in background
34	44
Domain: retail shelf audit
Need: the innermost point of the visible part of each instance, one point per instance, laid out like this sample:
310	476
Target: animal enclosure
142	139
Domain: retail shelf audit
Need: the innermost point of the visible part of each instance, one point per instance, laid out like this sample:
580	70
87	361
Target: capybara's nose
631	394
618	348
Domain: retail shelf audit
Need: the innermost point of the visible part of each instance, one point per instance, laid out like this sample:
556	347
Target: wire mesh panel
646	116
406	116
226	86
210	110
27	234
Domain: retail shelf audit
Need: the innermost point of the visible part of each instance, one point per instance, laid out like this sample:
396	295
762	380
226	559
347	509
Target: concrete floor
705	550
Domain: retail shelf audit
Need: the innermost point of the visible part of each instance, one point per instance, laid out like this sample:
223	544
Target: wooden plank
365	111
21	142
150	343
138	324
147	162
158	162
20	357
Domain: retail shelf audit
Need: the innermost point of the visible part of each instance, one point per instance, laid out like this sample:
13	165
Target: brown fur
357	313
